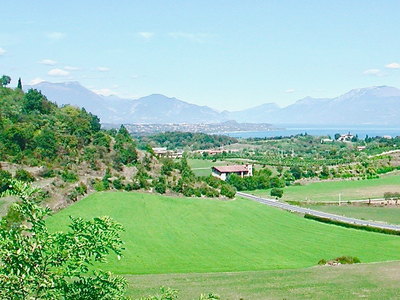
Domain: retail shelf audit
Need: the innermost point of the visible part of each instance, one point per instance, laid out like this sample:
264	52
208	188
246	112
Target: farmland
185	235
371	281
388	214
330	190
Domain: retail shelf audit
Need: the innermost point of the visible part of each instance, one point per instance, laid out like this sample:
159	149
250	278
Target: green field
369	281
188	235
390	215
202	167
330	190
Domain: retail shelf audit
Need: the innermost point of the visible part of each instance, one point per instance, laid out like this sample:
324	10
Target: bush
131	186
46	173
276	192
24	176
5	177
228	191
81	189
117	183
69	176
99	186
160	185
343	260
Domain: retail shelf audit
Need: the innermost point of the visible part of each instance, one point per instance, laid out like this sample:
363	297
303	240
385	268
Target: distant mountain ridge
365	106
156	108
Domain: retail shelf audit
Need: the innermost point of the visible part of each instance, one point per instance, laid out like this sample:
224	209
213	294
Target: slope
185	235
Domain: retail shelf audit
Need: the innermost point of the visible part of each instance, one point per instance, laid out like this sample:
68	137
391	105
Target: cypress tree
19	86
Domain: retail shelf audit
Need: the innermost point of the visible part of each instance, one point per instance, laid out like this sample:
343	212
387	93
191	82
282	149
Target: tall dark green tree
19	86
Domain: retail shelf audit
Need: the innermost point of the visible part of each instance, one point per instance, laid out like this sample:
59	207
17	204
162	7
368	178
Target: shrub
69	176
228	191
24	176
5	177
275	192
99	186
131	186
81	189
117	183
46	173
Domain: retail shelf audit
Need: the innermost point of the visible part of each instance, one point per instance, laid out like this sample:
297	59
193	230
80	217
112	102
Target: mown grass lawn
348	190
187	235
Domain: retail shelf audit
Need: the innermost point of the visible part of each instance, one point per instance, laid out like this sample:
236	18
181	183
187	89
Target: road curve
294	208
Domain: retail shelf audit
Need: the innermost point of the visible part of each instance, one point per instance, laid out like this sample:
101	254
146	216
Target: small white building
346	137
222	172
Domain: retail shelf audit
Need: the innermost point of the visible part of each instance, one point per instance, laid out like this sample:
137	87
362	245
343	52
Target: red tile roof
231	169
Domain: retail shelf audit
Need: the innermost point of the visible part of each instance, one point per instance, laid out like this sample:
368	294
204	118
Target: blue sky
224	54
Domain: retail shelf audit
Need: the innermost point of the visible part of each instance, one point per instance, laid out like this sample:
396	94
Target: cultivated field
330	190
186	235
388	214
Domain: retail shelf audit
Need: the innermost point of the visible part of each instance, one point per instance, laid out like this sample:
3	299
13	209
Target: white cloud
55	35
68	68
393	65
289	91
135	76
47	62
58	73
104	92
146	35
2	51
36	81
103	69
374	72
197	38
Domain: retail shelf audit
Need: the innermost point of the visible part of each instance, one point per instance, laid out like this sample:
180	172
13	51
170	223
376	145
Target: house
222	172
163	152
361	148
346	137
160	151
323	141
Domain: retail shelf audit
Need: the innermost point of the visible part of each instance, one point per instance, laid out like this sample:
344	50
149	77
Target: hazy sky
225	54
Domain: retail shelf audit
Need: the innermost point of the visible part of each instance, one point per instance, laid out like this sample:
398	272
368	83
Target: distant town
229	126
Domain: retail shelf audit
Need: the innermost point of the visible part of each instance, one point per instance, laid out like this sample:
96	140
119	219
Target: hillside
65	152
182	235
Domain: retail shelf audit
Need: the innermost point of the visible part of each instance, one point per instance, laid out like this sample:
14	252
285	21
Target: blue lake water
361	131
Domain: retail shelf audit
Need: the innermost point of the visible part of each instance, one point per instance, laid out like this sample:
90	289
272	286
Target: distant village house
222	172
163	152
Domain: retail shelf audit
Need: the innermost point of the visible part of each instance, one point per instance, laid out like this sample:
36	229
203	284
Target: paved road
294	208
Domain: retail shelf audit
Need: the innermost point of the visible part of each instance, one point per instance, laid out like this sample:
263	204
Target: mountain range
366	106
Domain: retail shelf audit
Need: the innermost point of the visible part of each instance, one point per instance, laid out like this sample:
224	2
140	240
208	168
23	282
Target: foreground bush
38	264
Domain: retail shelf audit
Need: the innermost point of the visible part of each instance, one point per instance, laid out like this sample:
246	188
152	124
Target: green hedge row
351	225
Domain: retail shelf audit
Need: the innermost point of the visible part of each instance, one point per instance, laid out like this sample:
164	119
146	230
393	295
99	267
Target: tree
5	80
38	264
19	86
337	135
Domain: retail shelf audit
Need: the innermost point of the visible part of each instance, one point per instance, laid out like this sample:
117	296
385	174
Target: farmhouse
222	172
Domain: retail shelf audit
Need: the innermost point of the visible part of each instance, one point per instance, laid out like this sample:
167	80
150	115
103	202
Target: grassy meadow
369	281
330	190
188	235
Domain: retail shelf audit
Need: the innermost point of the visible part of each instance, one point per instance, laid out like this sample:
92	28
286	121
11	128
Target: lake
316	130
